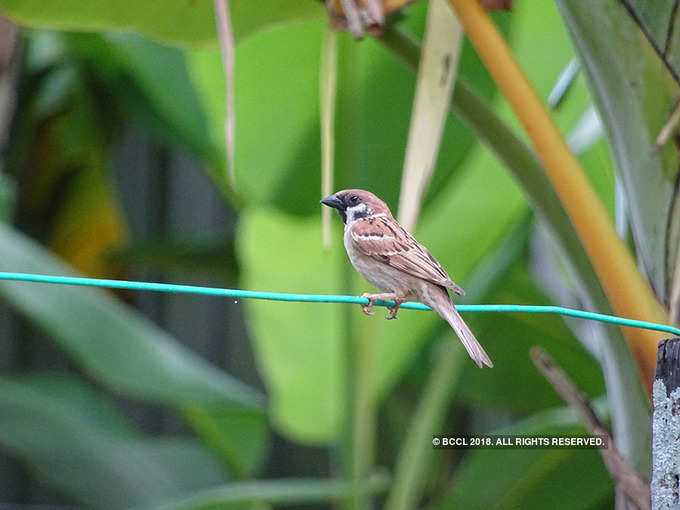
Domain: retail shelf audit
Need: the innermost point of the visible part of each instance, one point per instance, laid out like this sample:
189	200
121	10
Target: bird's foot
368	309
394	309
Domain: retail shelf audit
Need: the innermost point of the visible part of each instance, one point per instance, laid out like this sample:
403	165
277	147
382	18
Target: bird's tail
448	312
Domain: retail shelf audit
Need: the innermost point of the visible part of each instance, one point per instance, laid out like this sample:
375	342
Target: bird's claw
394	309
368	309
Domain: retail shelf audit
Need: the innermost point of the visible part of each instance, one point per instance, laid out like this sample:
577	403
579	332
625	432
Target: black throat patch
361	214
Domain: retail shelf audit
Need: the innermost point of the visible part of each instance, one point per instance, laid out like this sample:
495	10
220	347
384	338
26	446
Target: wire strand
323	298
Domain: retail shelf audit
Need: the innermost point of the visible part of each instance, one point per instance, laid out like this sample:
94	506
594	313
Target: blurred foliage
59	157
7	196
207	254
334	378
79	442
130	354
175	22
531	478
633	115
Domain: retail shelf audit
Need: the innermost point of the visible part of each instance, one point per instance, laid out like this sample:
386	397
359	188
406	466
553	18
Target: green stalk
414	457
358	434
363	444
347	447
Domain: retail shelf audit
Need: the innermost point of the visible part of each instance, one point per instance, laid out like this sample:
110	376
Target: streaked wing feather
383	239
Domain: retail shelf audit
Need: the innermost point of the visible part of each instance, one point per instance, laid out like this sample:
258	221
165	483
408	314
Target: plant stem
411	469
328	86
226	37
365	348
360	342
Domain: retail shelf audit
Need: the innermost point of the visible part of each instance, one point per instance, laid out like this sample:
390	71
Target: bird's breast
383	277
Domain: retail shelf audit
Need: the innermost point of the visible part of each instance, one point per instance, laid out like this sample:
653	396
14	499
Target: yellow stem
627	291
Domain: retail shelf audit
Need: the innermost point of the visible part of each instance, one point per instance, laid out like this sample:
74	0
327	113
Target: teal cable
316	298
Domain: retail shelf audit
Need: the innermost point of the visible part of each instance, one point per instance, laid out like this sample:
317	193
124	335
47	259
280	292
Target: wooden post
665	486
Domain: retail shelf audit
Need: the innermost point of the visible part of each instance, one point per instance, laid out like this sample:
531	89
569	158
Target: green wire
316	298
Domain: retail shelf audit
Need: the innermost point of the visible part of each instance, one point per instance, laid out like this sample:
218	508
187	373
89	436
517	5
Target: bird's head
354	204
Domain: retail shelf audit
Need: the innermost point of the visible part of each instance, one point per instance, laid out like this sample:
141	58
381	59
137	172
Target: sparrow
391	259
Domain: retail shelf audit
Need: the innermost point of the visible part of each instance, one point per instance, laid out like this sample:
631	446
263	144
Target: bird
391	259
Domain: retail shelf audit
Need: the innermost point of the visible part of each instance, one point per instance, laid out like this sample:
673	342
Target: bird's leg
368	309
394	309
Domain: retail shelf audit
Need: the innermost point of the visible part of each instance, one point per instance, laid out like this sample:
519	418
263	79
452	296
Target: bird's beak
334	202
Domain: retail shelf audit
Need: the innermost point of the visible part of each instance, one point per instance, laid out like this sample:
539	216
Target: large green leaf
112	342
77	442
635	93
147	65
527	478
123	349
297	346
238	436
178	22
277	116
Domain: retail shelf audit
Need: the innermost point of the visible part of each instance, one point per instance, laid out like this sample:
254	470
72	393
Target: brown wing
383	239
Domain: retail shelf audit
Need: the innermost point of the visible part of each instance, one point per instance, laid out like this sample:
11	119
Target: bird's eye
353	199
